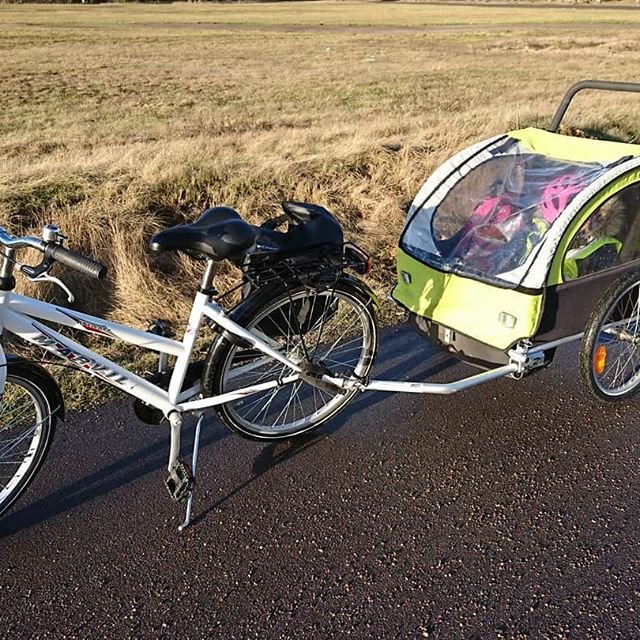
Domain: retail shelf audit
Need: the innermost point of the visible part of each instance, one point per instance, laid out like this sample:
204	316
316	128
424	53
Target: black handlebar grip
75	261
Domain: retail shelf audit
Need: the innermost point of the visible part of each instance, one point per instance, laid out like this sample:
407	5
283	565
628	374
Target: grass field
116	120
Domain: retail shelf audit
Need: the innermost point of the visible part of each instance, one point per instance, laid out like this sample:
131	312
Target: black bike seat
219	233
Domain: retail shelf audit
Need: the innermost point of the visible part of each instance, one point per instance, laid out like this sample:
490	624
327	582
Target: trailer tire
610	347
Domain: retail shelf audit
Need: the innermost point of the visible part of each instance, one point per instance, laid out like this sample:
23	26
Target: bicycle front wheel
26	430
332	329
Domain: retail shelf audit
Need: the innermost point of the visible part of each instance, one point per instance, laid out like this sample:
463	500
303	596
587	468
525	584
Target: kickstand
194	465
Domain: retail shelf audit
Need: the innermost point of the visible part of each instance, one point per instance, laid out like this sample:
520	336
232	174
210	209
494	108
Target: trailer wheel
610	348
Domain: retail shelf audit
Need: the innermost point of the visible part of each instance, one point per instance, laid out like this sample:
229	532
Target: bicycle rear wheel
26	429
331	328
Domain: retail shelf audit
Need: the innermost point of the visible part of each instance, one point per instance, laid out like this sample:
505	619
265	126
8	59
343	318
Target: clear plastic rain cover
492	219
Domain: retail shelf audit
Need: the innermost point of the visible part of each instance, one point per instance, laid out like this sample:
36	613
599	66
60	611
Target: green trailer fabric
572	149
471	307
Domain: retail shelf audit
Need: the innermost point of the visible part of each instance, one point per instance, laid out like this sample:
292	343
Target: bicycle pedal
180	481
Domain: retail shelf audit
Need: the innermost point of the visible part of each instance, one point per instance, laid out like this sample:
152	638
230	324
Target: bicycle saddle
218	233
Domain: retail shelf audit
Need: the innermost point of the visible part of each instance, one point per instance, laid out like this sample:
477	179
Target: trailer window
487	221
608	238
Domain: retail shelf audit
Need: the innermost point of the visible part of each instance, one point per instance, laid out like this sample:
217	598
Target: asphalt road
507	511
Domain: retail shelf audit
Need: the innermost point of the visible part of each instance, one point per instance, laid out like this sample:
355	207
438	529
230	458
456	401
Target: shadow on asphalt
275	453
150	458
118	474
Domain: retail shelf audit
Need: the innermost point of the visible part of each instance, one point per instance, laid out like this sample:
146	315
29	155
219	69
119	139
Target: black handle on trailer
602	85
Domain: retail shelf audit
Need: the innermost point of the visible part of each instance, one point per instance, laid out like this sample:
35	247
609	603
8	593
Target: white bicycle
282	362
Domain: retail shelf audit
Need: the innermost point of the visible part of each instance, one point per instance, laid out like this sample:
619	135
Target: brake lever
37	276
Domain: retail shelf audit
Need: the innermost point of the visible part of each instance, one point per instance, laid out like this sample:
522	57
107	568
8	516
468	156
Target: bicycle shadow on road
116	475
413	359
277	453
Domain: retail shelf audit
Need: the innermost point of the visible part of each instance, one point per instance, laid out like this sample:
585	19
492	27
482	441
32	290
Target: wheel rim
615	356
21	432
337	335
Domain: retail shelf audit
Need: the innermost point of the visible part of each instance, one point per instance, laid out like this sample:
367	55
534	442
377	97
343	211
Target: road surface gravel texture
507	511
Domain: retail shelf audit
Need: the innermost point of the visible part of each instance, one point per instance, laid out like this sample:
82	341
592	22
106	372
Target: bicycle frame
18	316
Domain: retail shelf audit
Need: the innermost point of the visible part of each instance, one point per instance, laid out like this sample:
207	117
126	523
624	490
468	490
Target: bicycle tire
611	336
26	416
262	311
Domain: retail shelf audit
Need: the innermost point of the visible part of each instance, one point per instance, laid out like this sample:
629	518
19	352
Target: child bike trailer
526	238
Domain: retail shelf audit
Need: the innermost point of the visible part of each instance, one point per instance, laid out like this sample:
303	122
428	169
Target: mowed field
117	120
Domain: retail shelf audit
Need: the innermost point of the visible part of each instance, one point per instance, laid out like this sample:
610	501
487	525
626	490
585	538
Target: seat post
207	278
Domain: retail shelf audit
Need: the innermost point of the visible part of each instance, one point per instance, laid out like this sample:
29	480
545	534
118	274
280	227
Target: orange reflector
600	359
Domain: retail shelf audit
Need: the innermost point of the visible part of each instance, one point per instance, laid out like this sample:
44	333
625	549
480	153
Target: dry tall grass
114	123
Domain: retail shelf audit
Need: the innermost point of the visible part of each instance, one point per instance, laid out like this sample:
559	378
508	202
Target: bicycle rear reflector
600	359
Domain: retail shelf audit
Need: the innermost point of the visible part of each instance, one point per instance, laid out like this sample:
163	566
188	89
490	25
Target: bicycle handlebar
13	242
75	261
55	251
